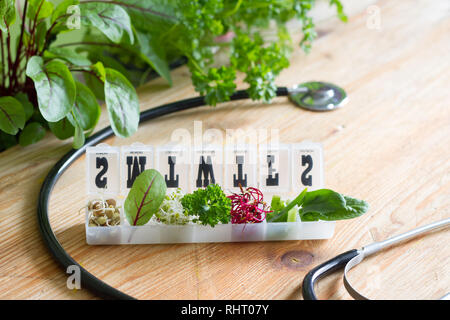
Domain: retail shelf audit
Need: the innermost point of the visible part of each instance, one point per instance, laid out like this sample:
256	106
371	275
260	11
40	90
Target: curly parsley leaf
210	204
217	85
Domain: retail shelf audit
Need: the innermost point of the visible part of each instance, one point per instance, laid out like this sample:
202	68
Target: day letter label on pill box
103	169
240	167
274	168
207	166
307	166
174	164
134	160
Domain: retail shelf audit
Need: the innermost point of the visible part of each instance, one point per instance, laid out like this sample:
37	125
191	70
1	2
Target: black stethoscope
315	96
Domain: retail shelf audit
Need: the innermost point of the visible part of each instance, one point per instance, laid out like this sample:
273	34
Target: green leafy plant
145	197
323	204
39	86
328	205
281	209
58	57
210	204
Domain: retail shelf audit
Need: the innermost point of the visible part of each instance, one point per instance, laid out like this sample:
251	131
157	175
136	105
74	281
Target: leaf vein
143	201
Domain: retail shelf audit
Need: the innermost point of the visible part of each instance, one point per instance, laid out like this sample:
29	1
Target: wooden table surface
389	145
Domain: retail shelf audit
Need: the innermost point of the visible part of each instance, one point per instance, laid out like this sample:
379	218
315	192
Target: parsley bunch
210	204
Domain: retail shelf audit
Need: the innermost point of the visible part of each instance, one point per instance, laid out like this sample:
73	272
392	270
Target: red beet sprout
248	206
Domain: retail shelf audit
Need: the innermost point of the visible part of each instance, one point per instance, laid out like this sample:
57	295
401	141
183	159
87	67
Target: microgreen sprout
248	206
171	210
103	213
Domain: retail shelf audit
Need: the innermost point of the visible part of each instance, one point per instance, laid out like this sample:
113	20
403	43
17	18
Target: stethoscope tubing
88	280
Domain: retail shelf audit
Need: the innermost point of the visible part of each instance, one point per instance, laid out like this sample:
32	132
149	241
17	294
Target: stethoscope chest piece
318	96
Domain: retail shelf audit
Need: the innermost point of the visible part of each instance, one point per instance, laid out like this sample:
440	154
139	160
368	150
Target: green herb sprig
210	204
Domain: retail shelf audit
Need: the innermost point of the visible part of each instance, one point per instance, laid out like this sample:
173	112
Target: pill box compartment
154	233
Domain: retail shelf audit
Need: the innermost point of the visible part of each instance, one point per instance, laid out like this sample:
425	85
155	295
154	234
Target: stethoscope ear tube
323	270
351	264
353	257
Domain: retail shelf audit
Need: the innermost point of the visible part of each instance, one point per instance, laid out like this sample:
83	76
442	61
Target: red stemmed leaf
145	197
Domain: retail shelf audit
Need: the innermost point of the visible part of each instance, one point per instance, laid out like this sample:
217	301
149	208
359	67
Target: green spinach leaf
68	55
85	109
39	9
78	137
150	15
154	54
55	87
8	14
328	205
32	133
12	115
145	197
323	204
26	104
62	129
109	18
61	9
122	103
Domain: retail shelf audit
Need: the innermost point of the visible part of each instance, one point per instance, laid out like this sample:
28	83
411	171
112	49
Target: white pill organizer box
284	170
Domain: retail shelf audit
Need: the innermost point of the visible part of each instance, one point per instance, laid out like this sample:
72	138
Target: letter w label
135	166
